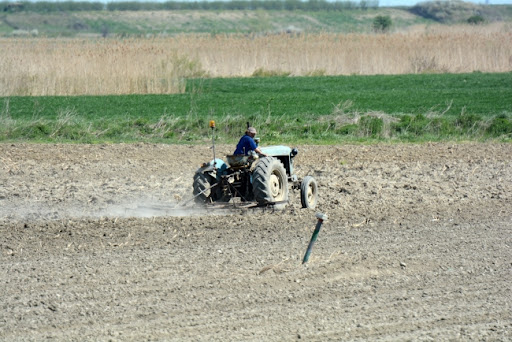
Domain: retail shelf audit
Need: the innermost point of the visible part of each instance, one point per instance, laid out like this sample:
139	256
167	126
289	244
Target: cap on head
251	130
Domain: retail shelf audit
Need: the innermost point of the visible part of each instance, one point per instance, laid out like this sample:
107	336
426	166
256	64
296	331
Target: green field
320	110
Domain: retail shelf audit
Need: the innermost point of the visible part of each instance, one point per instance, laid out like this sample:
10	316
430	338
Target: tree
382	23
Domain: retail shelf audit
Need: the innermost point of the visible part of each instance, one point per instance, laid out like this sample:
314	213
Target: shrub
476	20
347	129
415	125
382	23
370	126
38	130
500	125
467	121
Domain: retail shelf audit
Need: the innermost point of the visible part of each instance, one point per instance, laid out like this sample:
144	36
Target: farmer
247	143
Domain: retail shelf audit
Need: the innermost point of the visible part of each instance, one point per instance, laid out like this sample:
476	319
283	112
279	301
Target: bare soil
417	247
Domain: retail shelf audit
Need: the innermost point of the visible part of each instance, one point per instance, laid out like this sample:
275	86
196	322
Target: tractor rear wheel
269	181
202	184
308	192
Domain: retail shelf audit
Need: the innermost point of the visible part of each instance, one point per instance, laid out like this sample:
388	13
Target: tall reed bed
160	65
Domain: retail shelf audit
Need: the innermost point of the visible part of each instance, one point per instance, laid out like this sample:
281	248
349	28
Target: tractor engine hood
279	150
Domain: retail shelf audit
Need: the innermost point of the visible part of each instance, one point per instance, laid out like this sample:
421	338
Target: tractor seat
237	160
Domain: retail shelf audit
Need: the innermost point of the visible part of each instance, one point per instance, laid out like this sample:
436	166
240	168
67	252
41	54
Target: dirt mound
417	247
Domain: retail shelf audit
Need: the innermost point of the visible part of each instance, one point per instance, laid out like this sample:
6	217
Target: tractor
253	179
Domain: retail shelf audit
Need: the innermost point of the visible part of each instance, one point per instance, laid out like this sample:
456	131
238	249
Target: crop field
41	67
320	109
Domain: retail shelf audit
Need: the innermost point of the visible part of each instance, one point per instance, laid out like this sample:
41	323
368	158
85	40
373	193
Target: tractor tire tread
260	179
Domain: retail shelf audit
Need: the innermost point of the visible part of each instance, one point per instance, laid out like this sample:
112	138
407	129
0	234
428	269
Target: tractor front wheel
269	181
308	192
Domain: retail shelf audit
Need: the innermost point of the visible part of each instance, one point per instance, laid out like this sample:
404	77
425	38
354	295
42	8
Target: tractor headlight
294	152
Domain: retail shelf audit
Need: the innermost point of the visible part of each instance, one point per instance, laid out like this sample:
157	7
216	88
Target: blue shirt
245	145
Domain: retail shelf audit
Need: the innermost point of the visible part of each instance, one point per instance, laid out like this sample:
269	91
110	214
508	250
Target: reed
44	66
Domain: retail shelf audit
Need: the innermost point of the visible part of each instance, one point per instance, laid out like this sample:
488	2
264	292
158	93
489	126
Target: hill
93	19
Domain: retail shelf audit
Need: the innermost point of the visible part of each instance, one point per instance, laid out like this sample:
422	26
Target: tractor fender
209	167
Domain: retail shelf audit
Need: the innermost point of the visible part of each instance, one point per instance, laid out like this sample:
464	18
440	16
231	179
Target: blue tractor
261	180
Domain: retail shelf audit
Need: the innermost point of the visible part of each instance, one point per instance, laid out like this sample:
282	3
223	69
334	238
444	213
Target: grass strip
301	109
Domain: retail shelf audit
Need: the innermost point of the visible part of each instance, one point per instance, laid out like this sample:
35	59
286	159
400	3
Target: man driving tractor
262	180
247	143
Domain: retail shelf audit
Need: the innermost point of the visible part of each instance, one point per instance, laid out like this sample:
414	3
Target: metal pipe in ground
321	218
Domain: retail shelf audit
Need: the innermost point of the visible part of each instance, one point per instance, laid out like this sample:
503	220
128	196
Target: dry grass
159	65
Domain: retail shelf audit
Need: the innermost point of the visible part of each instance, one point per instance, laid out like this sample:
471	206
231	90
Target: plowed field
418	246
